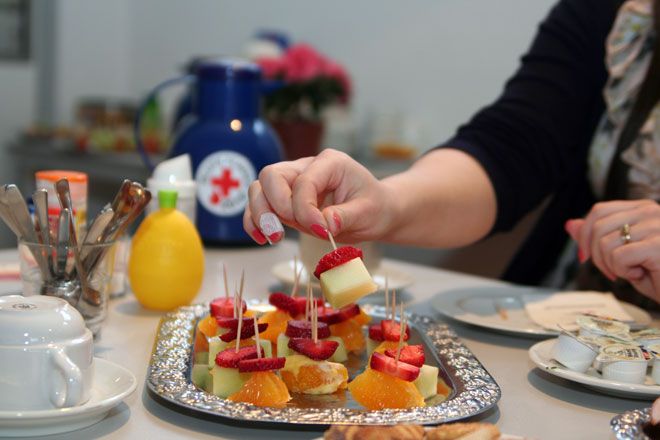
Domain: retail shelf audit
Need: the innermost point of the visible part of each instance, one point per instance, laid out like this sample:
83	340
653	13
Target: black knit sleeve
536	134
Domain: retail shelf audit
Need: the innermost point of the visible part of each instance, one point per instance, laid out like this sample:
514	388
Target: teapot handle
71	393
138	116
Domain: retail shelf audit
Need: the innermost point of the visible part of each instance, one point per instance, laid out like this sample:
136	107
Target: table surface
534	404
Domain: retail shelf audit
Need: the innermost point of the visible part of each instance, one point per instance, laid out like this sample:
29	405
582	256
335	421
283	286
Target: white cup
47	354
573	353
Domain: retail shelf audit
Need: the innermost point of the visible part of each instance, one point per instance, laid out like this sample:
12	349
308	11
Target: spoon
62	241
89	294
40	200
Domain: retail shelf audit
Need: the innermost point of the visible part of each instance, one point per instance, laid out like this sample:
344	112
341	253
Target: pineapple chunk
346	283
427	381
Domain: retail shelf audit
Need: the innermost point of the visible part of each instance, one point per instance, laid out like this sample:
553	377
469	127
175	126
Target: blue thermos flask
228	143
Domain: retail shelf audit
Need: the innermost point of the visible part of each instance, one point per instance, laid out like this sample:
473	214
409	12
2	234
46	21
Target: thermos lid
227	68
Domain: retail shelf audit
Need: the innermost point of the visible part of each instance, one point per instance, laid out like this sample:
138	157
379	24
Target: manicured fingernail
581	256
337	220
275	237
271	227
319	230
259	237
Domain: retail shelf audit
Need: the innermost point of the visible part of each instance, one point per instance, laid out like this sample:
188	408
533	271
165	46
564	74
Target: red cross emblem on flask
222	185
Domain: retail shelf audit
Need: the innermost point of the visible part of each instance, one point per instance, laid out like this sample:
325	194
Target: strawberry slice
391	330
247	331
224	306
410	354
284	302
263	364
232	323
336	258
297	328
229	358
376	332
301	303
332	316
387	365
318	351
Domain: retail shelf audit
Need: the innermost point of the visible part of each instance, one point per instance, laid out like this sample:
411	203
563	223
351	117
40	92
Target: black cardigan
533	141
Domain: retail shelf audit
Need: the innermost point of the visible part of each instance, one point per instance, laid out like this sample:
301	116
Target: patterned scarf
629	51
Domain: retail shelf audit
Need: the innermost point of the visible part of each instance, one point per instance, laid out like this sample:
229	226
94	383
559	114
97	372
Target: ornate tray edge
475	390
628	425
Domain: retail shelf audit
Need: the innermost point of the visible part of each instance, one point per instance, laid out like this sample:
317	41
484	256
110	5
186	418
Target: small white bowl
623	363
574	353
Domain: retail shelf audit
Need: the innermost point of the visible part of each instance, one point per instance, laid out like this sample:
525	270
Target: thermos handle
138	116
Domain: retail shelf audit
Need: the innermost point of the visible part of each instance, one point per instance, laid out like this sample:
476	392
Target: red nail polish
319	230
337	220
275	237
259	237
581	256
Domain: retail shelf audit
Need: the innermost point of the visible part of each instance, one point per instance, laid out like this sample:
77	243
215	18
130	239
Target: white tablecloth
534	404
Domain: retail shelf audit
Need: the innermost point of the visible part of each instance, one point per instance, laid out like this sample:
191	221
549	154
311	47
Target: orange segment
276	321
362	318
316	378
443	388
201	341
263	388
387	345
375	390
351	332
208	326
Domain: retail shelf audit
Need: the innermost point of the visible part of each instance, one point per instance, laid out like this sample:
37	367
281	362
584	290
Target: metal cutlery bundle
71	279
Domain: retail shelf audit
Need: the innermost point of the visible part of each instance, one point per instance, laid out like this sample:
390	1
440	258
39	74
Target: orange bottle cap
55	175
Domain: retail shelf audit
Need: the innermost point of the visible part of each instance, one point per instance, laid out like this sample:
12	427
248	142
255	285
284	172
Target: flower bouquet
310	83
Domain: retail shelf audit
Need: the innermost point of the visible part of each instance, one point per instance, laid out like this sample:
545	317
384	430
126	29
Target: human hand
599	237
328	192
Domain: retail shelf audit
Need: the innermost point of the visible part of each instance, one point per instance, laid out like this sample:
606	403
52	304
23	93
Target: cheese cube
346	283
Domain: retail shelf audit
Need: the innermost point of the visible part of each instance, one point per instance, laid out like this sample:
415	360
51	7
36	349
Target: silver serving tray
628	426
474	389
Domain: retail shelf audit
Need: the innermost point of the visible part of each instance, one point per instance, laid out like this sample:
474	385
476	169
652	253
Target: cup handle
71	393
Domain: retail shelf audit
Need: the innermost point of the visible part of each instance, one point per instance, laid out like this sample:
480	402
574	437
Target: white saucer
396	278
541	354
112	383
482	307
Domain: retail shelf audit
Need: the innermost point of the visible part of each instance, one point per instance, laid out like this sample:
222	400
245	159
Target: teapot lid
227	69
35	320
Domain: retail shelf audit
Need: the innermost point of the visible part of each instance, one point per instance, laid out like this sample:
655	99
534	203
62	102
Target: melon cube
200	375
427	381
340	354
283	349
346	283
226	381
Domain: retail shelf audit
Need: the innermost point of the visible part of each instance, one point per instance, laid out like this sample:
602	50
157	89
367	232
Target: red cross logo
223	185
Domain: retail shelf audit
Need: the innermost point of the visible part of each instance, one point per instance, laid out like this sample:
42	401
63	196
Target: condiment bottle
78	185
166	265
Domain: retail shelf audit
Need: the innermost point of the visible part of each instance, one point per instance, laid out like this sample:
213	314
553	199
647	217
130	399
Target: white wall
437	61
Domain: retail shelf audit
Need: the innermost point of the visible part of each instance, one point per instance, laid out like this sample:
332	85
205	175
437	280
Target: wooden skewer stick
296	283
256	337
387	296
393	304
236	299
308	306
242	285
239	297
402	323
315	325
332	240
224	275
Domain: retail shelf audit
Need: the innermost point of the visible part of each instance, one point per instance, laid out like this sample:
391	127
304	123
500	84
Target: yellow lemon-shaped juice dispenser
166	265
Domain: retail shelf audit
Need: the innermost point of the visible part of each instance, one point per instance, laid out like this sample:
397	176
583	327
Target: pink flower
271	67
302	63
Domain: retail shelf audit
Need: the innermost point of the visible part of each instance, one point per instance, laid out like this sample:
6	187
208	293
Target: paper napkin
561	308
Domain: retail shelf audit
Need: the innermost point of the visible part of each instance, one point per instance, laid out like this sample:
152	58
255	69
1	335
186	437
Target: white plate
541	354
502	309
396	278
112	383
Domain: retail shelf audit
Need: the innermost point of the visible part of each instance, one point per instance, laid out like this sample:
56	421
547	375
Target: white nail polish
270	224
